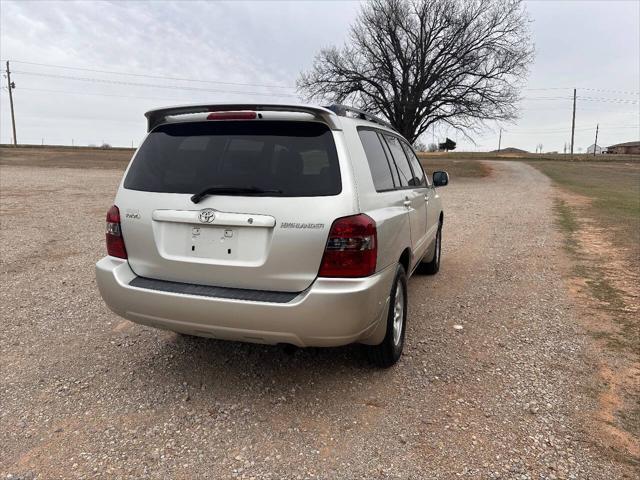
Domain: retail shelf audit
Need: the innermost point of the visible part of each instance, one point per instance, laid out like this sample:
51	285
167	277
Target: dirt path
84	393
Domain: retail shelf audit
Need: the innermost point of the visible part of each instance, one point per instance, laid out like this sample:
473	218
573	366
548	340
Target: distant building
595	147
628	148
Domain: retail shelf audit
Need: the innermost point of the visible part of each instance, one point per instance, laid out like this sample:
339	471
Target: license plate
214	242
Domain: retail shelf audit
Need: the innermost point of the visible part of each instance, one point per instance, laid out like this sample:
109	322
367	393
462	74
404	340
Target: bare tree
419	146
418	62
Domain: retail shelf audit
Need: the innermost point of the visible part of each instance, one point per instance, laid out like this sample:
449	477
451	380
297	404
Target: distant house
628	148
595	147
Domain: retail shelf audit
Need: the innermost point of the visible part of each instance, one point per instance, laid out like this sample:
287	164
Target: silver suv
273	224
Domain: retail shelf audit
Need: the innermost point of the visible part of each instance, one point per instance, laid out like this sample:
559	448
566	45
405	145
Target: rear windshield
298	159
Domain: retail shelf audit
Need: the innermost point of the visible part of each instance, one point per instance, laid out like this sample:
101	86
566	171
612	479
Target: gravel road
85	394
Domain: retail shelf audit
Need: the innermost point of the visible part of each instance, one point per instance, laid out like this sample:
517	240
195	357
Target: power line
150	85
135	97
624	92
604	90
588	99
545	98
185	79
609	100
555	132
514	132
548	88
160	77
566	130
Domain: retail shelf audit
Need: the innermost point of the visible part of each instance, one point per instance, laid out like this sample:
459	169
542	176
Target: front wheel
389	351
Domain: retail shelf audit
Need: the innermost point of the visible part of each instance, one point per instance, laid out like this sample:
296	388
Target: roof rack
343	110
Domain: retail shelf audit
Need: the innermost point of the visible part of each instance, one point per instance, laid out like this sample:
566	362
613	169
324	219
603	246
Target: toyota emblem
207	215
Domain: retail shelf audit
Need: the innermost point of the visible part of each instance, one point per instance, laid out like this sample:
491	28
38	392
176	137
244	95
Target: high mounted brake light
352	248
232	116
115	242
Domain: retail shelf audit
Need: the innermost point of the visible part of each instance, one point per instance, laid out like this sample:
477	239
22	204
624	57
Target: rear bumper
331	312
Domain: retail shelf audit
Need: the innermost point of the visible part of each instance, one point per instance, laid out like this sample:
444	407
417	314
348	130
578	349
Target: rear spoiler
159	116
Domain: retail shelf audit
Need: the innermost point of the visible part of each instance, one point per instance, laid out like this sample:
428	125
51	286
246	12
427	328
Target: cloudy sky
255	51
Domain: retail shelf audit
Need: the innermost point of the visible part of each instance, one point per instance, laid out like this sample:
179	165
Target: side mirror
440	179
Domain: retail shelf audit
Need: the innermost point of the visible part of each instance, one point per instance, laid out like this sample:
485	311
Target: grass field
613	188
583	157
457	168
71	157
601	222
87	157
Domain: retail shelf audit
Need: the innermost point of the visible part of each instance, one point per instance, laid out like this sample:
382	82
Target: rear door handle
426	198
407	203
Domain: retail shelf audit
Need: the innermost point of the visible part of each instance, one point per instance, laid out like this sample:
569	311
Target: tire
432	267
389	351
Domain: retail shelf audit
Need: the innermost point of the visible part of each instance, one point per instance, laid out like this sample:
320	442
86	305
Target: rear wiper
227	190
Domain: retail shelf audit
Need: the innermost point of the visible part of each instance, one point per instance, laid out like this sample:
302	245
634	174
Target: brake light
351	249
115	242
232	116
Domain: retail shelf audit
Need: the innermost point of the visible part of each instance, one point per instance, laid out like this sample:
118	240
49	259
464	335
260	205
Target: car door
413	192
429	197
384	201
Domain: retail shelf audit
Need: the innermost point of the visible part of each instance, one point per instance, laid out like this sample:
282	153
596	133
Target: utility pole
595	144
573	121
11	86
500	140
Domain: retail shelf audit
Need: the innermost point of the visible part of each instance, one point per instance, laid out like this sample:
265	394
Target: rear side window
399	157
377	158
297	158
419	179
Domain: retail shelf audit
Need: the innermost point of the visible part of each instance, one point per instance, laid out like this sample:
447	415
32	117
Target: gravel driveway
86	394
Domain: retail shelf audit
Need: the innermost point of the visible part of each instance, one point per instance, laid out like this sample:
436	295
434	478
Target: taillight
232	116
115	242
351	249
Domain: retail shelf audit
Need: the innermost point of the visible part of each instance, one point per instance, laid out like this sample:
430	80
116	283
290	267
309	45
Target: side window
378	164
399	157
419	178
392	164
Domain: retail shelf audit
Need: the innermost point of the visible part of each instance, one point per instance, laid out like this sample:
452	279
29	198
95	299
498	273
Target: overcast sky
591	45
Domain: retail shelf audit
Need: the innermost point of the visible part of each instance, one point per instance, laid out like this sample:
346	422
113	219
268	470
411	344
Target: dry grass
598	210
66	157
613	190
457	168
88	157
530	157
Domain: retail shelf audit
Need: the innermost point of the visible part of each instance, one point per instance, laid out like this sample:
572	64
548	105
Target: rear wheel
389	351
432	267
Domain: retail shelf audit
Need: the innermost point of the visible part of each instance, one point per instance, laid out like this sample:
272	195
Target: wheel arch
405	259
